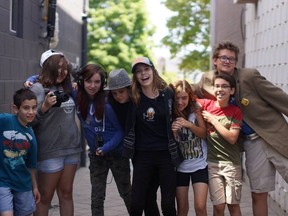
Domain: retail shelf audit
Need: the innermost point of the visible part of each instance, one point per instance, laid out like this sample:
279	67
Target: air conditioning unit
244	1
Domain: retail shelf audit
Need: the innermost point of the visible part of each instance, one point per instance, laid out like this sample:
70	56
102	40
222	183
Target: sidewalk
114	205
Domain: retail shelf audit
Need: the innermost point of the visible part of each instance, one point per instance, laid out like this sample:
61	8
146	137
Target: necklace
151	94
156	94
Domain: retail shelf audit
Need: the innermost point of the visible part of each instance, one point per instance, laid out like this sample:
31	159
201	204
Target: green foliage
172	77
169	77
118	32
188	35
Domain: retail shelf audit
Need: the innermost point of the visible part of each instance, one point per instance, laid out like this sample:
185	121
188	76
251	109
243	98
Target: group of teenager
173	134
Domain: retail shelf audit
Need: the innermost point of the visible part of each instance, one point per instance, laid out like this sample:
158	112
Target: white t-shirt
193	149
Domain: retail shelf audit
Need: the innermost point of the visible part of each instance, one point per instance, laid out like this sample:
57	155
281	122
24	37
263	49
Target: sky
158	15
154	8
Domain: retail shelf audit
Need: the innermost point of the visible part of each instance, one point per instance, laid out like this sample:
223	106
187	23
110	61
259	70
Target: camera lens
61	96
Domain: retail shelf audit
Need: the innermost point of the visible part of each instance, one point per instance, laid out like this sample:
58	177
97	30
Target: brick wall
19	56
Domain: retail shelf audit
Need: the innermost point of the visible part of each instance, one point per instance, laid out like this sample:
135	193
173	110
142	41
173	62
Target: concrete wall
266	40
19	56
227	24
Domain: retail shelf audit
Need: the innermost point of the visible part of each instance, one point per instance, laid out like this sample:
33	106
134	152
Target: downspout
84	35
83	62
51	20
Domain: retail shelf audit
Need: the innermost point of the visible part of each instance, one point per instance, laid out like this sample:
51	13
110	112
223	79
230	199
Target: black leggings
148	166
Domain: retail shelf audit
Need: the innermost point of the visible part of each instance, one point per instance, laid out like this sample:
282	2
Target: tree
188	36
118	32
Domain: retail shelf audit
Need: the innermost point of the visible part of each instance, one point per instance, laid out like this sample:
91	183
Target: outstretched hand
27	84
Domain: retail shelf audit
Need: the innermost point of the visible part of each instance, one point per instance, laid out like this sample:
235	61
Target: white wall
266	41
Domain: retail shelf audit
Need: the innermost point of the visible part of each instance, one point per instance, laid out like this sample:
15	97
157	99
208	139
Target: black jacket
129	140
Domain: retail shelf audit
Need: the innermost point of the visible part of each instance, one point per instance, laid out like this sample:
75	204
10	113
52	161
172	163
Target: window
16	17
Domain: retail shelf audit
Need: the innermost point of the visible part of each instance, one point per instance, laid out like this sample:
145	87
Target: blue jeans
99	167
147	164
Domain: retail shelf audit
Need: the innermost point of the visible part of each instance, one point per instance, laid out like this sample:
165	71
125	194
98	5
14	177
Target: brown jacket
263	105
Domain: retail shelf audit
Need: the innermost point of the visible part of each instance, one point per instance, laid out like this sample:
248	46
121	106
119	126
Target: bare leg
47	183
234	209
65	190
6	213
260	204
200	198
218	210
182	200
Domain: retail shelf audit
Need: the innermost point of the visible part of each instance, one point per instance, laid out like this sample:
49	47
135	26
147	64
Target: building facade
24	37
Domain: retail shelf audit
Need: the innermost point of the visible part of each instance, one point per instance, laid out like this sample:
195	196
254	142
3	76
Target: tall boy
18	157
264	127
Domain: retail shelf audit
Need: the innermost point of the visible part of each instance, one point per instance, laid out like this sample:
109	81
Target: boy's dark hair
22	95
226	45
227	77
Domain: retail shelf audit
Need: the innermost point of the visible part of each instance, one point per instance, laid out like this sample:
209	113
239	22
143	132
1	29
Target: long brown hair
50	73
158	84
184	86
83	98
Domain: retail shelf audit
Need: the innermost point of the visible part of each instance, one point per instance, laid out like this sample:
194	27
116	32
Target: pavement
114	205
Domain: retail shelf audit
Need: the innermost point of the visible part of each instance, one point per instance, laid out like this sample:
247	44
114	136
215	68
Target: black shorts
183	179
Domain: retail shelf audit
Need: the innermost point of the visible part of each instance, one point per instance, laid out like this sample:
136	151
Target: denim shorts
57	164
21	203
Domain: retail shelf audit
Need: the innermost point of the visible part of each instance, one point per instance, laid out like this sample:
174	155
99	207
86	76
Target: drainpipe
84	35
51	20
83	62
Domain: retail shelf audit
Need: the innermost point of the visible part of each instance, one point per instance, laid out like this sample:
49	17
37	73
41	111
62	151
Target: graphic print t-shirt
193	149
18	152
151	125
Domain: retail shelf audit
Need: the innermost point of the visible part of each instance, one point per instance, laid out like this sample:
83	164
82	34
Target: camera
61	96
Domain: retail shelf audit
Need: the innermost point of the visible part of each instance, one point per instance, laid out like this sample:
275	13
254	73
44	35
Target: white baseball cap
47	54
143	60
